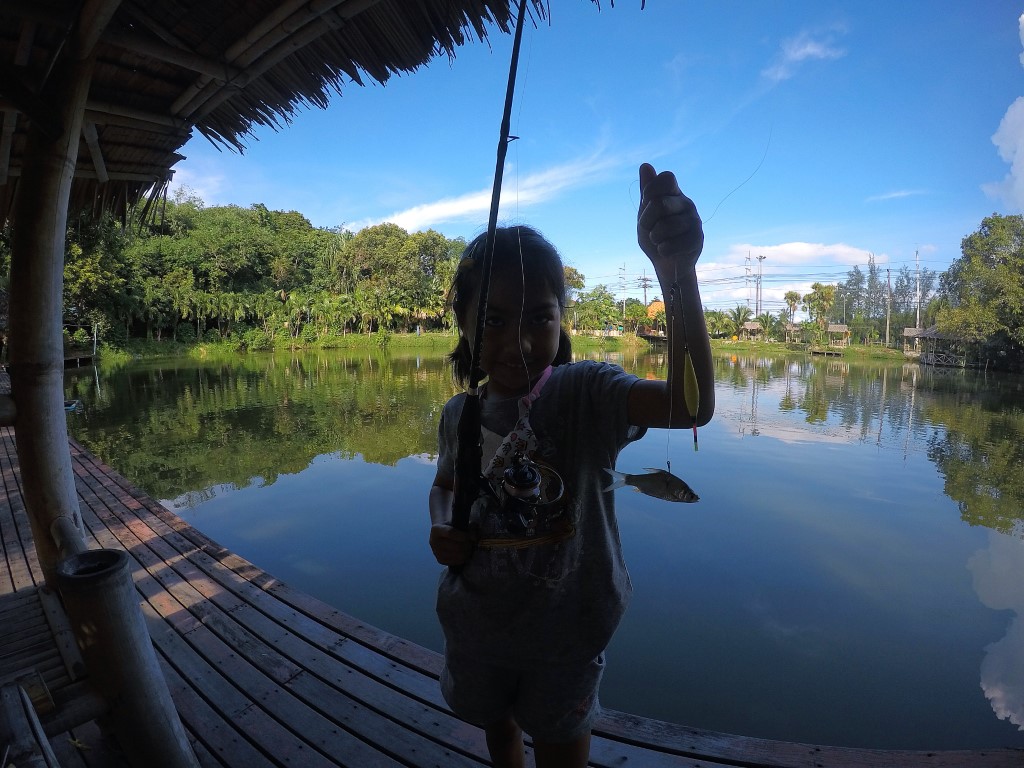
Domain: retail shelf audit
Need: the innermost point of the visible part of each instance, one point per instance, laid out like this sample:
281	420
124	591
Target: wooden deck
263	675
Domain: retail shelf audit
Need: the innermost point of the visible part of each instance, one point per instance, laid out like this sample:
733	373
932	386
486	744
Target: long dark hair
539	257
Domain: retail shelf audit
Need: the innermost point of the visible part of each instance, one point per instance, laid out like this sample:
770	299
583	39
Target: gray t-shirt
559	601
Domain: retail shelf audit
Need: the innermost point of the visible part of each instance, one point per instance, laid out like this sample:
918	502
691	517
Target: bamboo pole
36	345
100	596
103	608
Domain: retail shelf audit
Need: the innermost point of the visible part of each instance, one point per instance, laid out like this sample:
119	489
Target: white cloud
1020	31
896	195
996	573
797	50
207	186
797	253
795	266
1009	140
527	190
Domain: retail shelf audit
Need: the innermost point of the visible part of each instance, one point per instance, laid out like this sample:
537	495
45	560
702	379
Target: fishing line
735	189
752	175
522	309
670	320
468	461
519	235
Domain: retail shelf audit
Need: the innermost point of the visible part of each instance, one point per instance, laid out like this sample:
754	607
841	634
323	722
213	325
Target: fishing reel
530	493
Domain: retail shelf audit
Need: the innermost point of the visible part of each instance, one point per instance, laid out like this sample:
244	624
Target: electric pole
760	258
622	289
888	304
645	283
917	265
747	278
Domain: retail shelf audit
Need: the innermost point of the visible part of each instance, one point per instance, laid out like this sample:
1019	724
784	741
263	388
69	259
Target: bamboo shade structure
222	68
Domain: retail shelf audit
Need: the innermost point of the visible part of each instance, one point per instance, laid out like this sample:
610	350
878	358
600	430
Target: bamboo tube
103	608
36	346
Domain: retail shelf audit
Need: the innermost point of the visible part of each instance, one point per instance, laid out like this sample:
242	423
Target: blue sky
810	133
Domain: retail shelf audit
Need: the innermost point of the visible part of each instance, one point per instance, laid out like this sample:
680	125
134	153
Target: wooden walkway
264	675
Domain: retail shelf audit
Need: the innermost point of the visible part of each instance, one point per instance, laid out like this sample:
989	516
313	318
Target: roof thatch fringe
224	67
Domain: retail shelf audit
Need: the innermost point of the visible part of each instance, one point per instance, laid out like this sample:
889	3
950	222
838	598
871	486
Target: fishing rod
470	454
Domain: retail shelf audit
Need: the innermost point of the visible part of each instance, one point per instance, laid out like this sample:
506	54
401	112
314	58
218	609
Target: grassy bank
441	343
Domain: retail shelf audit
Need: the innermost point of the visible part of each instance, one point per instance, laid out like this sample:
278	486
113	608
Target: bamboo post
102	606
36	349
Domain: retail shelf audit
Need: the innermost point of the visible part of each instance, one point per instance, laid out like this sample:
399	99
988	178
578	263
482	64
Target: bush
115	335
256	339
185	333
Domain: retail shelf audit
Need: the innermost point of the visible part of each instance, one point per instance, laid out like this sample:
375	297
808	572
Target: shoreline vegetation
443	342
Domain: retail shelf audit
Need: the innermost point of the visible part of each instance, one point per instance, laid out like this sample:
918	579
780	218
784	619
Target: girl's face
521	330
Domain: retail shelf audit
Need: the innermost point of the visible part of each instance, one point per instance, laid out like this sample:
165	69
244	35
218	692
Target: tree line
252	275
977	304
255	276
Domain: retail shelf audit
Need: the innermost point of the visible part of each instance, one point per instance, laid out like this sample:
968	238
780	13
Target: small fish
657	483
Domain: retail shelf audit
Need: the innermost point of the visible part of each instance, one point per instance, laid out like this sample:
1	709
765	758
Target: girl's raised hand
668	227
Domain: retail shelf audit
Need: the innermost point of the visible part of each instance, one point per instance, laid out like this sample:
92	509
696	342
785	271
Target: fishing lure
691	392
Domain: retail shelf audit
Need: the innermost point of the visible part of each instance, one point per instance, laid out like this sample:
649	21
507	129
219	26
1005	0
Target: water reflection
857	549
997	580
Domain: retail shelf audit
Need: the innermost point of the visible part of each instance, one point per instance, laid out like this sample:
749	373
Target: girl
536	588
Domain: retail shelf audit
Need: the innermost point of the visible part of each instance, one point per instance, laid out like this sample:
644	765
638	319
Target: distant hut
912	340
944	349
751	330
838	335
655	308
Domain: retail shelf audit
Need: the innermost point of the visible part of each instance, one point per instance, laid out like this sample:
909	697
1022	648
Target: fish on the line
658	483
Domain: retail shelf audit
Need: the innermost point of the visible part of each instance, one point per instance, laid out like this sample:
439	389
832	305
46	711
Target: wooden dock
264	675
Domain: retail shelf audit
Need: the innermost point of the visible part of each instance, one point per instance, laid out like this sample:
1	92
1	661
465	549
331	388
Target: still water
852	574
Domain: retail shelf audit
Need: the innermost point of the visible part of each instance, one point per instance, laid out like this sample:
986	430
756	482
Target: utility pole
622	289
888	304
645	283
917	265
760	258
747	278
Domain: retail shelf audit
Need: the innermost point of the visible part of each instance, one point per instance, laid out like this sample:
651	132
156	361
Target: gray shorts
551	702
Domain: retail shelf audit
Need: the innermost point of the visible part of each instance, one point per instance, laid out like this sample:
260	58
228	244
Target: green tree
737	316
717	322
984	289
574	282
93	275
636	314
596	309
818	304
770	325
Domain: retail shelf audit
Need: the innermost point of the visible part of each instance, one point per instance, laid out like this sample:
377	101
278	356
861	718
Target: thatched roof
223	67
932	332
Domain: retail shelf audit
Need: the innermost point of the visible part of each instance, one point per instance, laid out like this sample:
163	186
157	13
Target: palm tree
716	322
792	299
738	317
818	304
769	324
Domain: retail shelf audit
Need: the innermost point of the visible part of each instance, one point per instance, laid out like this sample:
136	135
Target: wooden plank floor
264	675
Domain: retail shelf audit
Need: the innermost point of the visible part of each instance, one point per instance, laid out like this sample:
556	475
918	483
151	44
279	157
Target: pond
851	575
